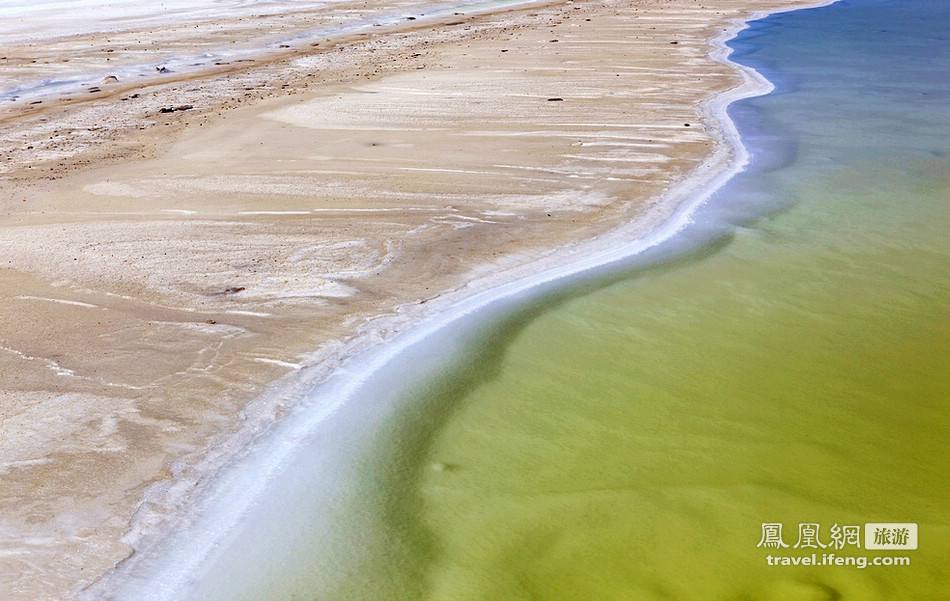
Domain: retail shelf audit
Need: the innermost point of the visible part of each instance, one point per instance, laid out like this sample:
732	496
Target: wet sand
173	280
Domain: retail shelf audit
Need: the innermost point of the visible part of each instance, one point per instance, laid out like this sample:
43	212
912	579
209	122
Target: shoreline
356	369
176	491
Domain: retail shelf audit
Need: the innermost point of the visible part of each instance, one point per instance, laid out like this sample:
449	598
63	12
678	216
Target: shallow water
630	442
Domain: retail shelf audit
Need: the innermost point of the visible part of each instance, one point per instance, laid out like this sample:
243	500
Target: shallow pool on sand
631	441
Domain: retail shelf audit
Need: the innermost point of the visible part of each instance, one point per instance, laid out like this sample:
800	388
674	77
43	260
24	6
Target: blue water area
860	84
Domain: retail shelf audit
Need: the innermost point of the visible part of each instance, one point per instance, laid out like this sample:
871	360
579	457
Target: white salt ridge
60	301
23	21
274	212
278	362
29	19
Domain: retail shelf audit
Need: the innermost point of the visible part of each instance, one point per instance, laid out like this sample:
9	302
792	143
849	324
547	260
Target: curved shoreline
368	355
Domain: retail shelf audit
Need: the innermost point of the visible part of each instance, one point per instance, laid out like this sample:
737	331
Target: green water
630	442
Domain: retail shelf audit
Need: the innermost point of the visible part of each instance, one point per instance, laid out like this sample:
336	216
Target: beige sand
161	271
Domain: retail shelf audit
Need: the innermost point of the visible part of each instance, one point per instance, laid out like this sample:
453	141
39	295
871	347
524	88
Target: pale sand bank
147	302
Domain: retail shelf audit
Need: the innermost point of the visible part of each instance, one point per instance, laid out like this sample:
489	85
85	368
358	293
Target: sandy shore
162	270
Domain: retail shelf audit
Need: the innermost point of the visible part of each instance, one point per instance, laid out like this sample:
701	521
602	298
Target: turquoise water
630	442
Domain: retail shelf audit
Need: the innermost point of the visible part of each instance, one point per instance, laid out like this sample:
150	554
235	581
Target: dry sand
161	270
